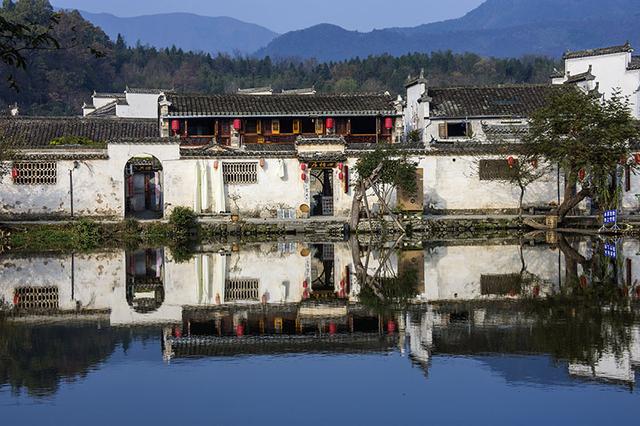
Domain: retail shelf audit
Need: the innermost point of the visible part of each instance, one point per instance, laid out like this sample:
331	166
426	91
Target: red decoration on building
175	126
341	176
239	330
216	164
636	157
177	332
303	176
305	284
16	299
303	166
14	173
388	123
511	161
329	123
391	327
340	166
332	328
237	124
582	174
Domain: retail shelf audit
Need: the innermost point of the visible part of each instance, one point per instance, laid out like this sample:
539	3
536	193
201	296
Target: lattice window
35	173
240	173
497	169
241	289
36	298
501	284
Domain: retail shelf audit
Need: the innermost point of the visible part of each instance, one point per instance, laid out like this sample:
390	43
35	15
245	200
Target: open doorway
143	188
321	185
322	270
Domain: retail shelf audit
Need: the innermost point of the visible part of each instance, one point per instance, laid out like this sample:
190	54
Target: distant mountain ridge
186	31
502	28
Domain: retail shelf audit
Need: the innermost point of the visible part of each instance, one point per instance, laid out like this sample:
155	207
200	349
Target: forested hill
501	28
57	82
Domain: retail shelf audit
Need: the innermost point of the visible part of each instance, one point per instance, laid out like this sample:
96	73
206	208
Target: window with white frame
240	173
35	172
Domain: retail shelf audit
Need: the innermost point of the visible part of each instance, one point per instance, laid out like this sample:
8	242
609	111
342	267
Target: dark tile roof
279	105
320	140
32	132
557	74
598	52
634	64
473	148
505	130
583	76
107	110
144	91
109	95
490	101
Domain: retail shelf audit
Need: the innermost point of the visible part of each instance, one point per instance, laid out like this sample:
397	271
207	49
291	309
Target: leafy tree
381	172
583	135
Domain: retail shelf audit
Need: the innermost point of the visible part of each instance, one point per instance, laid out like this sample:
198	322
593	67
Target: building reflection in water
497	296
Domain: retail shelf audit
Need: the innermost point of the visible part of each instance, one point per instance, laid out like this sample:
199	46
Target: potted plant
235	212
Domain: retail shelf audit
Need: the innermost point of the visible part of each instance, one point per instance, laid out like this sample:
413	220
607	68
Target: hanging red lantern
303	176
388	123
177	332
332	328
340	166
14	173
305	284
342	283
582	174
329	123
240	330
16	299
237	124
391	327
636	157
305	295
583	281
342	294
175	126
511	161
303	166
341	176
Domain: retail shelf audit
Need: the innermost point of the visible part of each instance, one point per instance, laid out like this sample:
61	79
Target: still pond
502	331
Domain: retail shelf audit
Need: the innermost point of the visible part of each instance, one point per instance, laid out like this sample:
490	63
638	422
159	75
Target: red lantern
175	126
636	157
14	173
237	124
303	176
329	123
391	327
388	123
16	299
215	164
333	328
177	332
511	161
305	295
303	166
582	174
342	283
340	166
305	284
341	176
239	330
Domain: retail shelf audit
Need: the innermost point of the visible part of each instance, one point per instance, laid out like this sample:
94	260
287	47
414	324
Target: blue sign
610	250
610	216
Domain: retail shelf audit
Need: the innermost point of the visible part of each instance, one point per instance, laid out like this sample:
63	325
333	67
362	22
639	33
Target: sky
286	15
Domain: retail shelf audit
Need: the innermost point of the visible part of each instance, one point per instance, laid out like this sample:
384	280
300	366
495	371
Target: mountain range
500	28
185	30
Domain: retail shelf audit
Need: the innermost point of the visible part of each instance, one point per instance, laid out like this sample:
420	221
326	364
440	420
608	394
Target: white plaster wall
454	272
611	72
453	183
630	202
140	105
98	185
95	277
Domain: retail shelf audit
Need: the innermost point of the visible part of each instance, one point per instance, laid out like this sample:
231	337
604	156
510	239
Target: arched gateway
143	188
